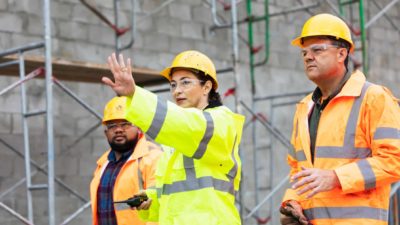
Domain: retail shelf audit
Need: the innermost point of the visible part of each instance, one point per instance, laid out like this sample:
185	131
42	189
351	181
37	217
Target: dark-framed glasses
114	126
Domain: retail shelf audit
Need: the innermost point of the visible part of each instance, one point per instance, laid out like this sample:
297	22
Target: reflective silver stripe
140	177
189	168
193	183
359	212
206	137
197	184
386	132
233	171
348	150
121	206
301	155
343	153
368	174
292	152
159	118
159	192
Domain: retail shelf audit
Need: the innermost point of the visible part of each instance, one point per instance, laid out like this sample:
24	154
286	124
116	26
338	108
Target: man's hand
146	204
288	220
315	181
124	84
292	214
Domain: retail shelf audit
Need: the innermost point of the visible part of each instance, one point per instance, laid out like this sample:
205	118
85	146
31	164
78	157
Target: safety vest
137	173
359	138
198	177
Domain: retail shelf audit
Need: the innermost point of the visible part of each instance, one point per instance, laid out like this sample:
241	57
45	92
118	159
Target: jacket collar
352	88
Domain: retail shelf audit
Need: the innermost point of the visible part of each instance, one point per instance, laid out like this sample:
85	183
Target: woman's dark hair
214	99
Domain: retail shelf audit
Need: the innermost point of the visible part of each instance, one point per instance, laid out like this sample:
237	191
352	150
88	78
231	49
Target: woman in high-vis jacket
199	173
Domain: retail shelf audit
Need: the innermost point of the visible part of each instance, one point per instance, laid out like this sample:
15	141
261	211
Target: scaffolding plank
78	71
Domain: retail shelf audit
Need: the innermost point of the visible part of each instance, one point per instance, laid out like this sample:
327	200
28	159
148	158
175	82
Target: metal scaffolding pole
25	130
381	13
235	58
76	213
49	110
17	215
386	16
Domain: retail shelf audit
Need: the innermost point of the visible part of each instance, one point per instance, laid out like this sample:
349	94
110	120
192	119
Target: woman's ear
207	87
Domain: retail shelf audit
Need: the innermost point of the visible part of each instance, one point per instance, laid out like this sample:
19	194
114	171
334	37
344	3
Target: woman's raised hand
124	84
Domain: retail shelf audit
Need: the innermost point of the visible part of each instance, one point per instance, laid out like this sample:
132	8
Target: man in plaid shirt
122	171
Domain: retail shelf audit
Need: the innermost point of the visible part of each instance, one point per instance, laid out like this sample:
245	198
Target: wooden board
79	71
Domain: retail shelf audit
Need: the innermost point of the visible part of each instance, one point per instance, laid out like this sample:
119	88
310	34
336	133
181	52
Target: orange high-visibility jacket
359	138
139	168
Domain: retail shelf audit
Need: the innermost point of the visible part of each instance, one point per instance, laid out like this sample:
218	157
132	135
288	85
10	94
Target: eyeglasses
114	126
184	84
316	49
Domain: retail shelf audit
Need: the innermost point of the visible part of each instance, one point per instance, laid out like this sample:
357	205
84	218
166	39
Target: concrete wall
181	25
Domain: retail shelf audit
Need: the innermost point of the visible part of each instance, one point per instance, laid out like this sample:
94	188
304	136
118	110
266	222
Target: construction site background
165	28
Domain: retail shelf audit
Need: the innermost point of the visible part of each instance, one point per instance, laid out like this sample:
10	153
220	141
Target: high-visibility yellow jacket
198	178
359	138
137	173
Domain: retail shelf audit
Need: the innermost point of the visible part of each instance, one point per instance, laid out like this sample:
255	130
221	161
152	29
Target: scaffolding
14	61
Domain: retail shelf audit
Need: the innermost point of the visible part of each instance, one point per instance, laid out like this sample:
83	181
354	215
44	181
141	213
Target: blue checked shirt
105	206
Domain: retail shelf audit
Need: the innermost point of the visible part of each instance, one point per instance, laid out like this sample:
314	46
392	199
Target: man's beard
121	148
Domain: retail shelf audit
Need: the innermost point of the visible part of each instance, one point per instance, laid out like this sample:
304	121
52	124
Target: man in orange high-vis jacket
122	171
345	135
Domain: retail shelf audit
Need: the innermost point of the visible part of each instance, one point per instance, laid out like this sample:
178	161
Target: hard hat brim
166	73
297	42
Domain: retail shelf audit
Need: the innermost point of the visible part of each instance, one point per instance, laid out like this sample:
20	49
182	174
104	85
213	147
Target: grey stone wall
79	35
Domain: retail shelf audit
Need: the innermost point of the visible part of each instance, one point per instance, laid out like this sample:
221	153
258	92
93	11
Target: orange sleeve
380	124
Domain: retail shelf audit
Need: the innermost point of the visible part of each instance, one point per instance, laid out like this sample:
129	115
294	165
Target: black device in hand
135	201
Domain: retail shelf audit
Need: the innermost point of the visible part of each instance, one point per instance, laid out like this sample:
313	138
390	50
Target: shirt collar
317	94
112	157
213	104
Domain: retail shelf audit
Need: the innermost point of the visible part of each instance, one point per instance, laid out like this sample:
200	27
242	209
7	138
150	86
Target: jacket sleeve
150	165
379	122
151	215
292	162
188	130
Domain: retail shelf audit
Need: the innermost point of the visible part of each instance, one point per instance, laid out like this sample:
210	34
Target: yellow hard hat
325	25
115	109
193	60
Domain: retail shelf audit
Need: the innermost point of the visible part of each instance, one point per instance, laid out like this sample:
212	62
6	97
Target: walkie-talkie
135	201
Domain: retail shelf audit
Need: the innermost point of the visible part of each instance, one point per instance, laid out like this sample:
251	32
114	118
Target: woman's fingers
115	63
121	61
107	81
129	65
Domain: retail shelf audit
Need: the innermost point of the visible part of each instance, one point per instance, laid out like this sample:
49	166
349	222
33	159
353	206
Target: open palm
124	84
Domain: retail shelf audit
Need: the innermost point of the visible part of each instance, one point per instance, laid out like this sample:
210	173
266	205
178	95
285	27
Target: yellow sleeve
190	131
150	165
151	215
